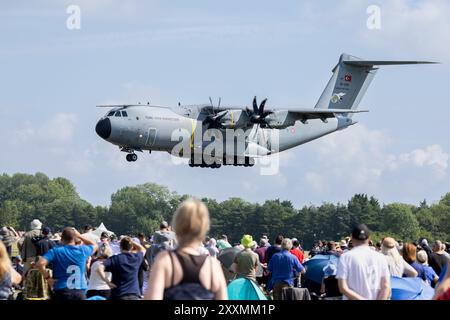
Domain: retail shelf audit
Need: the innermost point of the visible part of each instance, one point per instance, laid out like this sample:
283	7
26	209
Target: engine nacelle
280	120
233	119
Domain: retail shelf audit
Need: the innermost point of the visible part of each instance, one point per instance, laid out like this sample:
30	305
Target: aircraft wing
208	109
306	114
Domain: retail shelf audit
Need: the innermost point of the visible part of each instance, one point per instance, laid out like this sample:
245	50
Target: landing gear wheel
131	157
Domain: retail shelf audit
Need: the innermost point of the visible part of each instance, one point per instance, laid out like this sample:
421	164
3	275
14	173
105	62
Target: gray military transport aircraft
236	135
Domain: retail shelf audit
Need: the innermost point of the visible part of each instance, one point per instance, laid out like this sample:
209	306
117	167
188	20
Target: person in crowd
44	243
275	248
426	247
316	249
105	238
344	246
261	252
447	247
438	259
330	288
211	246
331	249
144	267
69	265
445	250
400	246
143	239
410	256
88	232
8	276
246	262
442	291
124	268
430	275
300	256
282	266
223	243
378	246
264	236
397	265
185	274
296	250
18	264
26	245
163	239
363	274
100	282
8	236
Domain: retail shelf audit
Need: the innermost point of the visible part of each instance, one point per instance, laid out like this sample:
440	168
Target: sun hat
247	241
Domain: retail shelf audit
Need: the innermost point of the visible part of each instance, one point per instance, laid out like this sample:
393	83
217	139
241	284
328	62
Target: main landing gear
131	157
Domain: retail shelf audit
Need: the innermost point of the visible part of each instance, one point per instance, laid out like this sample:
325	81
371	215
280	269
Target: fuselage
163	129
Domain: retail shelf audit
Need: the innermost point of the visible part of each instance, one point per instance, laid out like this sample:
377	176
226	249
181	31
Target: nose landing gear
131	157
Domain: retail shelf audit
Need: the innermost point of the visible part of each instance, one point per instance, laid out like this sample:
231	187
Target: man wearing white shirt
363	274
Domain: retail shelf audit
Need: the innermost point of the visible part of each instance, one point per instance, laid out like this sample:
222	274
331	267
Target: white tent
100	229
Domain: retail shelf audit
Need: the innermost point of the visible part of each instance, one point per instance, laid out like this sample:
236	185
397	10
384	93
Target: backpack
35	286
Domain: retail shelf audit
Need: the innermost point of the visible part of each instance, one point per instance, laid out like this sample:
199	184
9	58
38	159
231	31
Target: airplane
241	134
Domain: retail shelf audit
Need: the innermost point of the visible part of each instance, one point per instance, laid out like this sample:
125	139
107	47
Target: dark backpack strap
211	264
173	269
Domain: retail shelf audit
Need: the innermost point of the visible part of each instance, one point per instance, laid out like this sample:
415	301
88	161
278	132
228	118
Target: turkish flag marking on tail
348	78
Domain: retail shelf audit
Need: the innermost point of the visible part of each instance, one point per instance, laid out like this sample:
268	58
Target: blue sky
166	52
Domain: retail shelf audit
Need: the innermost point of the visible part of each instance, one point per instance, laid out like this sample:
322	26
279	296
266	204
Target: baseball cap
46	230
360	232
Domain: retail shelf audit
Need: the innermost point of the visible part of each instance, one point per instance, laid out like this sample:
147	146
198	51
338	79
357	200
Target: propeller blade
261	107
255	106
220	100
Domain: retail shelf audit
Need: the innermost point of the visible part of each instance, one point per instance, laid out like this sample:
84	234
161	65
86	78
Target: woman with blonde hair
100	281
8	276
397	265
185	274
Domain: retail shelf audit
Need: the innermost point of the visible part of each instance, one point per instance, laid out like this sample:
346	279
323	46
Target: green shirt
246	263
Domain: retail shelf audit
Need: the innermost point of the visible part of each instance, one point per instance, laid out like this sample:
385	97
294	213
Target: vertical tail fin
350	80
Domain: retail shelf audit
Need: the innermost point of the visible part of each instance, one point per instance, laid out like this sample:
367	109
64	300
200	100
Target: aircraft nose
103	128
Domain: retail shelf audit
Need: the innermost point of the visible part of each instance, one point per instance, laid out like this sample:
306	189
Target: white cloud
59	129
432	156
361	160
419	26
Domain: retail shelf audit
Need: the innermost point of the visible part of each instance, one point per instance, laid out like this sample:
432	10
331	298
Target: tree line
24	197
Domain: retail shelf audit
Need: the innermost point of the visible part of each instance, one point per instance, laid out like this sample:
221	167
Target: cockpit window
110	114
117	114
124	114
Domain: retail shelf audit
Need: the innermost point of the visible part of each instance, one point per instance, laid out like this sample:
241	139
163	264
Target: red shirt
444	296
299	254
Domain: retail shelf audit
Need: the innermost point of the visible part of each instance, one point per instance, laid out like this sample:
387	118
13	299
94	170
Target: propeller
214	116
259	115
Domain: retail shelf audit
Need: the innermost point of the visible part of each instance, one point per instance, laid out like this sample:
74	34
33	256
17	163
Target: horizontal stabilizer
370	63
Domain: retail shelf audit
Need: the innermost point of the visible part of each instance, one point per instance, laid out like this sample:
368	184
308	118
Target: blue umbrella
245	289
410	289
315	265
